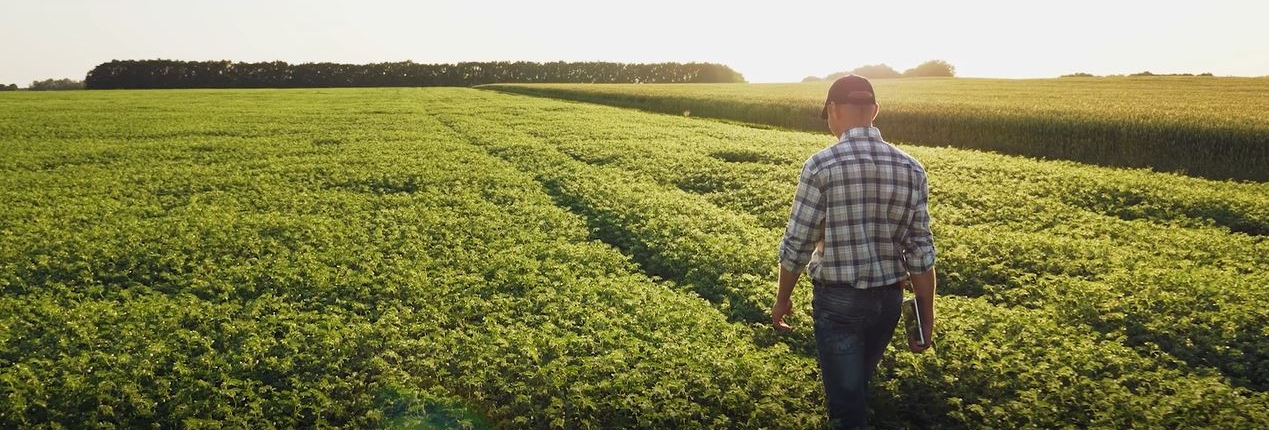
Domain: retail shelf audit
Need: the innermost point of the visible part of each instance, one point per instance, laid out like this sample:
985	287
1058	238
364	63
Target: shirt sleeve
806	223
918	245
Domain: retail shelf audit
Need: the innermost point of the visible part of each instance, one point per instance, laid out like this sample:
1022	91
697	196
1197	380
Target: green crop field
443	258
1203	126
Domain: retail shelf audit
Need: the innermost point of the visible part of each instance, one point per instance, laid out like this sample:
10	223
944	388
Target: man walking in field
860	220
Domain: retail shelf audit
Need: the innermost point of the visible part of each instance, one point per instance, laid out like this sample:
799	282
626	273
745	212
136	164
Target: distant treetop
930	68
876	71
56	85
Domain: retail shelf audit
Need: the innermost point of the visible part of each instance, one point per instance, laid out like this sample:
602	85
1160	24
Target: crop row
698	244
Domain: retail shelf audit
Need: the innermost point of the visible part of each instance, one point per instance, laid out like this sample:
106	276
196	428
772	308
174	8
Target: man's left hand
781	309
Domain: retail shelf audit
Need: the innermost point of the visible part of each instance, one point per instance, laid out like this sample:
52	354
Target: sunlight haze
781	42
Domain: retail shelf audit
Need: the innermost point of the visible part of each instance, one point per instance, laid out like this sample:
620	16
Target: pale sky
767	42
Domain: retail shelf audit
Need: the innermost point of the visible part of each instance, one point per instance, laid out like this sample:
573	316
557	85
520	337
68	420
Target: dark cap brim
861	101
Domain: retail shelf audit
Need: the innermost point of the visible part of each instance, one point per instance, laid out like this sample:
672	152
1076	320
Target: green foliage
1212	128
316	265
449	258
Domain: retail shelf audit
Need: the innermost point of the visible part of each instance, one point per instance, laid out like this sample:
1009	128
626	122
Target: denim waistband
833	285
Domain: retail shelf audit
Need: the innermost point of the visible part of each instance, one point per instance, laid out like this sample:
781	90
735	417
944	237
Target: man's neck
854	126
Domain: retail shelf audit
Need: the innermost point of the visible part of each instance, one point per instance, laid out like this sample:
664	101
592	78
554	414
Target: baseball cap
849	89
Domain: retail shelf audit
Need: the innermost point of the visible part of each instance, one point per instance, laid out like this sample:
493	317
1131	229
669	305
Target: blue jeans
852	328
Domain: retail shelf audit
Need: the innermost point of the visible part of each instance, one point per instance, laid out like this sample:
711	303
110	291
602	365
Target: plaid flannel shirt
868	202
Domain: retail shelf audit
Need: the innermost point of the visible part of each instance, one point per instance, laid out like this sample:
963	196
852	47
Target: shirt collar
871	133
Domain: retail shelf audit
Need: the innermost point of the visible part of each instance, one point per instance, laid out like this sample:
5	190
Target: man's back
873	208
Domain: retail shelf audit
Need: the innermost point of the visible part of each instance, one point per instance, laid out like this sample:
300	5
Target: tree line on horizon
147	74
1134	75
47	85
932	68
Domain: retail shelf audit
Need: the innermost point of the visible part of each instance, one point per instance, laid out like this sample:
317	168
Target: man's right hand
924	285
927	327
